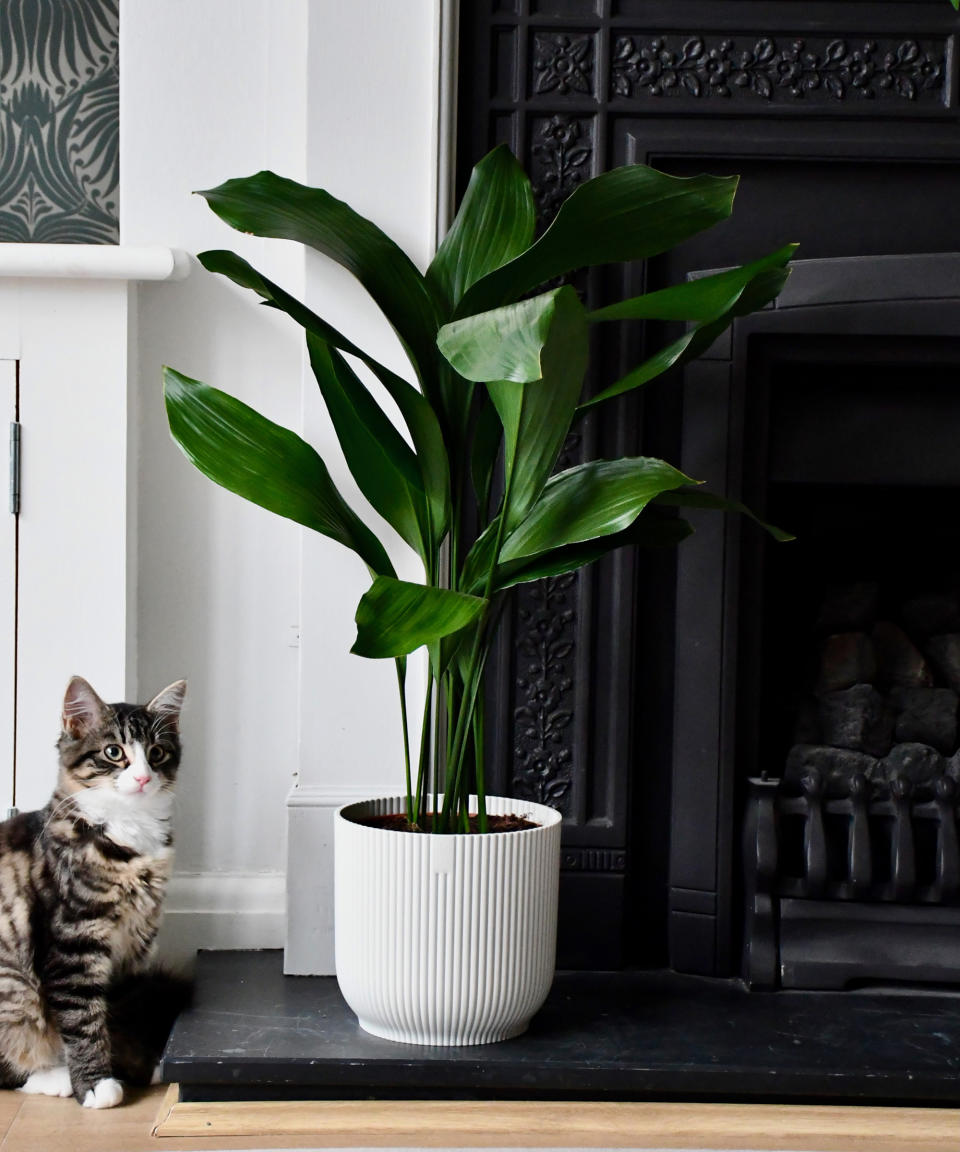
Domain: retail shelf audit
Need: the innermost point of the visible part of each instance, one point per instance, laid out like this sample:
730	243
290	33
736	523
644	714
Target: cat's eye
157	754
113	752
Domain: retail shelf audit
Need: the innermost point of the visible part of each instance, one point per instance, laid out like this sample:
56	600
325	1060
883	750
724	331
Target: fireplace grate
851	889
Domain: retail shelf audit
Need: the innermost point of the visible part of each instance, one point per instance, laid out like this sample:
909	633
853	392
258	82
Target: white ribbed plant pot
446	939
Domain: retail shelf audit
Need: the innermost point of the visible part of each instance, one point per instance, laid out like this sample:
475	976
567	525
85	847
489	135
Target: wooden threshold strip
570	1124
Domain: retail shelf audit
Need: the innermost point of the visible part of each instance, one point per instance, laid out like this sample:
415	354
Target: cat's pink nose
141	780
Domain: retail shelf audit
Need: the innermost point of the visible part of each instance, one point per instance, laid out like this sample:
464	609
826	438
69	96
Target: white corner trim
447	46
309	950
93	262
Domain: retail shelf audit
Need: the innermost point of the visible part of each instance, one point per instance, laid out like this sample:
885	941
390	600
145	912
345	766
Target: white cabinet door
8	595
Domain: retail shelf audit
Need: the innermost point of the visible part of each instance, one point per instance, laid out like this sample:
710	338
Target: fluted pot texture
446	939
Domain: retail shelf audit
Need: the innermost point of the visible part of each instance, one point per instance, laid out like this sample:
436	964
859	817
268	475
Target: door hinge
15	467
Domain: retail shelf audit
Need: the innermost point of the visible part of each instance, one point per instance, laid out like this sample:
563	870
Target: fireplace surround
835	413
842	121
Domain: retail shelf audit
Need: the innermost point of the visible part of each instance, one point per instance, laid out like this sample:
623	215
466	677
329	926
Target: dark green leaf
269	205
379	459
506	343
646	531
264	463
534	355
416	412
763	288
484	449
631	213
480	559
698	498
590	501
395	617
495	223
701	300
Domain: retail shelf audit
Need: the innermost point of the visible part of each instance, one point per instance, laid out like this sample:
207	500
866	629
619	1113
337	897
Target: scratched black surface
254	1033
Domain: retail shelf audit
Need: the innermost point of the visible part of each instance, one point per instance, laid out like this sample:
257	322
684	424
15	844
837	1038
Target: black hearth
812	695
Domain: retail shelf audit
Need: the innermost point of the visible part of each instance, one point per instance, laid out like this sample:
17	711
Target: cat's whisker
61	803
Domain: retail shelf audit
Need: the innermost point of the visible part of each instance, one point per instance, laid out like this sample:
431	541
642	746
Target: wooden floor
38	1124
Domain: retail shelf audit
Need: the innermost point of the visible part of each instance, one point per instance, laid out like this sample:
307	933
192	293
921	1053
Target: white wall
372	139
211	91
343	96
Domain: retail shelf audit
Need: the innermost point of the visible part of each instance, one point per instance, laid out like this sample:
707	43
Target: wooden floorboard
572	1124
43	1124
9	1106
39	1124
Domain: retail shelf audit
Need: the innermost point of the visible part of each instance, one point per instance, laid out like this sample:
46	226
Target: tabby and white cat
81	887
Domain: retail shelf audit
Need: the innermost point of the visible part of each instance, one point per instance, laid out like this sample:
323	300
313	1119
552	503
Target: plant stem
424	759
398	664
456	754
478	752
443	696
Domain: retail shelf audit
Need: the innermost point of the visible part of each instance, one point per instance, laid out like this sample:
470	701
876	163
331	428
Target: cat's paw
104	1094
157	1077
48	1082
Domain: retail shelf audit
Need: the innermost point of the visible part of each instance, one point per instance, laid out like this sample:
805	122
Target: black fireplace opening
849	660
856	451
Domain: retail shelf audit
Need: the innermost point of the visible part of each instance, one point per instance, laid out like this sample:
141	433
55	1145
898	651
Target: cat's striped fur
81	887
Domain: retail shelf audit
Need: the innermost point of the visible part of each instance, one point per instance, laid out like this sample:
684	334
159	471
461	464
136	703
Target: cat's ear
169	702
82	708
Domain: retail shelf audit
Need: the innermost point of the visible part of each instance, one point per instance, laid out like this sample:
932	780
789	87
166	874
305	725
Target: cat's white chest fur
140	823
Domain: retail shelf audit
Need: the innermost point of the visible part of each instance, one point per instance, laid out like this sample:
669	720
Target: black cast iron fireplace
816	702
842	121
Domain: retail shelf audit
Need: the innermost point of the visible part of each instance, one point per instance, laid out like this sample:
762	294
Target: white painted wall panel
343	96
8	591
374	144
72	608
208	92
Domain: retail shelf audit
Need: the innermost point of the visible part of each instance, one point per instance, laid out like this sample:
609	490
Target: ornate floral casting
545	642
562	63
771	70
59	121
562	153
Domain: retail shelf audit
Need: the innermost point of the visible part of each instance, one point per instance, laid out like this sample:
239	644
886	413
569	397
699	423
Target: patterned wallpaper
59	121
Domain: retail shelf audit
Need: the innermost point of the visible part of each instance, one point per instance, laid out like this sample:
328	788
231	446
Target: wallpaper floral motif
59	121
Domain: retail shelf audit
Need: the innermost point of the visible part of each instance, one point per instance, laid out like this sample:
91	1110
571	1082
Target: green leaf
417	414
701	300
534	355
647	531
269	465
269	205
504	344
380	460
495	223
589	501
631	213
395	617
484	449
698	498
764	287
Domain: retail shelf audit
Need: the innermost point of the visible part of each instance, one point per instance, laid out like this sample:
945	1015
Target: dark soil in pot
397	822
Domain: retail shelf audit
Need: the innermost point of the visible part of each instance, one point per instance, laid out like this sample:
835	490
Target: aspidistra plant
497	369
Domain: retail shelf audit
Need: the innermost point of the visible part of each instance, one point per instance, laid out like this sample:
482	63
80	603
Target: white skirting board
309	944
221	910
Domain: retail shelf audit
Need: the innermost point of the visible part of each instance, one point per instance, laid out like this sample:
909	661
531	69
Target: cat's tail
141	1012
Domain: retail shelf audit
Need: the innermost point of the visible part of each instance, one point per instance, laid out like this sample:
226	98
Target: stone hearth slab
254	1033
